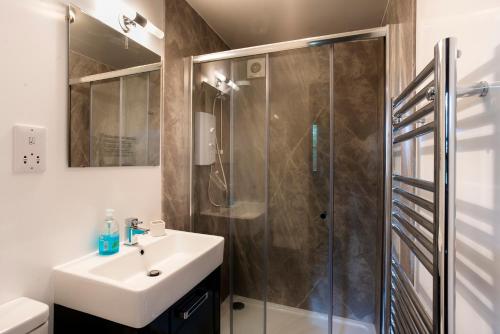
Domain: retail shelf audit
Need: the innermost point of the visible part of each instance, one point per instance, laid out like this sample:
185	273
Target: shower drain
154	273
238	306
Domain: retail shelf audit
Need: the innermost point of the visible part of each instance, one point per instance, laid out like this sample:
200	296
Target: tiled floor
282	319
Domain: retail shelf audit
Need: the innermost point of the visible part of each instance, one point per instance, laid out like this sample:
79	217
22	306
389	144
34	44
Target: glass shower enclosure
288	166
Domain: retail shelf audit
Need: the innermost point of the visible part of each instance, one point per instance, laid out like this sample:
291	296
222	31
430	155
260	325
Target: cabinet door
194	314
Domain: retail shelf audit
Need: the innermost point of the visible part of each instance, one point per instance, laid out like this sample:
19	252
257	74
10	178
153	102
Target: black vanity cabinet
198	312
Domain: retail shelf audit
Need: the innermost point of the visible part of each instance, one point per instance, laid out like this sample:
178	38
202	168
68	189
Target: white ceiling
242	23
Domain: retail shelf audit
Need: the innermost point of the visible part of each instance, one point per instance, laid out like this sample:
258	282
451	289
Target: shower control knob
323	215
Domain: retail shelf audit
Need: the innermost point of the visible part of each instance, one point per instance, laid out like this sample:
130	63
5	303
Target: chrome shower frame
264	50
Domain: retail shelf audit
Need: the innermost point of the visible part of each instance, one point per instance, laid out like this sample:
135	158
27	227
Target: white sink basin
117	287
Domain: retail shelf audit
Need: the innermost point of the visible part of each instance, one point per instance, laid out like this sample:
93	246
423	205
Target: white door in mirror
29	149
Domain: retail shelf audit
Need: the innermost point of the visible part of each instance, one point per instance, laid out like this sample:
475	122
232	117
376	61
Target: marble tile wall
401	18
299	239
186	34
248	188
249	141
359	70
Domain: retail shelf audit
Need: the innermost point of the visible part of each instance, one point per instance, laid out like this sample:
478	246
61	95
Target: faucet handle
132	222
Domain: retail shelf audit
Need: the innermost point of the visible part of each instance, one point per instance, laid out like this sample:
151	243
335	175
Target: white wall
476	24
50	218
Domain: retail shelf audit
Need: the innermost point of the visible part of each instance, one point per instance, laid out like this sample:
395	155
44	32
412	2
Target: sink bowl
119	288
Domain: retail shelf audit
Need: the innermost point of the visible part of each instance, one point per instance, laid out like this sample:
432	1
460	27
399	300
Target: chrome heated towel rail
420	212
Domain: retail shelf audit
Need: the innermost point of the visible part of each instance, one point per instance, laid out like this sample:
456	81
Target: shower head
220	90
222	79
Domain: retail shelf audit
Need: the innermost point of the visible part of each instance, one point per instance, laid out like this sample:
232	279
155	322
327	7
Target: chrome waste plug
154	273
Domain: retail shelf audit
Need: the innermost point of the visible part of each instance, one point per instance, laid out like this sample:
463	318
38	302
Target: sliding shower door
229	182
298	289
288	167
248	194
358	145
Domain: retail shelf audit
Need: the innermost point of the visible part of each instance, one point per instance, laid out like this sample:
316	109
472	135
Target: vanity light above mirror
131	18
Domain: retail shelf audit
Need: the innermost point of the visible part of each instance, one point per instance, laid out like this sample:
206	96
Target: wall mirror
114	96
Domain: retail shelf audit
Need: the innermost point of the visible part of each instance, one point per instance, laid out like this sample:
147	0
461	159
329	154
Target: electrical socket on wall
29	149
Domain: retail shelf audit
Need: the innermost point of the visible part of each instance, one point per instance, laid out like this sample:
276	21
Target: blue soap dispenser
109	236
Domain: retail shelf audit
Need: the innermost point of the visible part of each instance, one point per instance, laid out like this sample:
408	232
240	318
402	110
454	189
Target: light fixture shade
151	28
220	76
129	13
130	17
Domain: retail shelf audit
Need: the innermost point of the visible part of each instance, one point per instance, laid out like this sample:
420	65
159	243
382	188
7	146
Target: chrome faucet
132	228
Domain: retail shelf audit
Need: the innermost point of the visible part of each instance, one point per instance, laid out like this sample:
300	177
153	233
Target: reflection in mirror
115	94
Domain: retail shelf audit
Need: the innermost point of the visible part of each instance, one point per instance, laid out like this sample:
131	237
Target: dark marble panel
249	257
358	169
186	34
249	138
401	18
298	241
217	226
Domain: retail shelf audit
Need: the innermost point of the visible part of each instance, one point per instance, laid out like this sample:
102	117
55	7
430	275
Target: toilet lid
22	315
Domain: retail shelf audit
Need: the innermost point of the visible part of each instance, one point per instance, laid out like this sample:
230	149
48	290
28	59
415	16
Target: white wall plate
30	149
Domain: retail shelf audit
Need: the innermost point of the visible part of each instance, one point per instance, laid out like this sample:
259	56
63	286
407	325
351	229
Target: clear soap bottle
109	236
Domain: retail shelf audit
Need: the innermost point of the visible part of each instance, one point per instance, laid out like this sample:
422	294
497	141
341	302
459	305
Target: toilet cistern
24	315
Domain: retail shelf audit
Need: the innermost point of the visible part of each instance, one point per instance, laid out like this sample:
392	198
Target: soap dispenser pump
109	236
